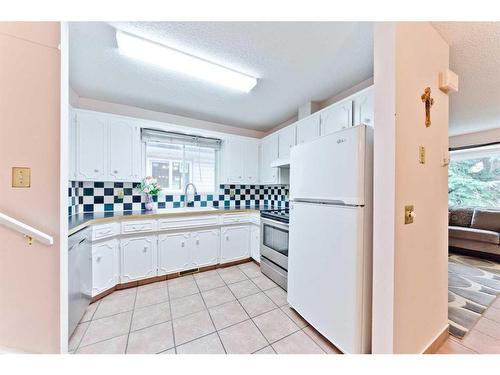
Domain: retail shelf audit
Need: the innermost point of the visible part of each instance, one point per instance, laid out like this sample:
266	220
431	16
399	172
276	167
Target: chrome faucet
186	202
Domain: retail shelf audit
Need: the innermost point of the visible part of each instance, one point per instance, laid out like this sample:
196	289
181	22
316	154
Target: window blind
158	136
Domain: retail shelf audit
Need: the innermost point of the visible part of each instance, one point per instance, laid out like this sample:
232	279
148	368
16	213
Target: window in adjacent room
474	177
177	159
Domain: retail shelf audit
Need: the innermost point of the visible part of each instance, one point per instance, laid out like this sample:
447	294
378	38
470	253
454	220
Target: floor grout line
210	315
207	309
171	320
131	320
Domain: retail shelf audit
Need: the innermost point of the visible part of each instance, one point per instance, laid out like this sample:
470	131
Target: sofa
474	231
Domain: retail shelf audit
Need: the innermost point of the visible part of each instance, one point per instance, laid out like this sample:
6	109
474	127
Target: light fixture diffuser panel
168	58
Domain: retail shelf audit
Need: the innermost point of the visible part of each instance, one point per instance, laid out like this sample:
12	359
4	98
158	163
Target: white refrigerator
330	248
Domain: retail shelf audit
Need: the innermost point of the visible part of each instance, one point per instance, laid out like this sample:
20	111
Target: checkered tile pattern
124	196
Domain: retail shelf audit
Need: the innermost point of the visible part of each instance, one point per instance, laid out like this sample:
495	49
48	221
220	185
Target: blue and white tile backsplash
106	196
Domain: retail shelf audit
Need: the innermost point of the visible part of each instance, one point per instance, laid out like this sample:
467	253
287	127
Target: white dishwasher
79	276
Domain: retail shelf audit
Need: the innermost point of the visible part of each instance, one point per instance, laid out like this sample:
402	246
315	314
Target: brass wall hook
429	102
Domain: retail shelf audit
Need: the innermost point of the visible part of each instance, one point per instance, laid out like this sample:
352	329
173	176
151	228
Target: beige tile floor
228	310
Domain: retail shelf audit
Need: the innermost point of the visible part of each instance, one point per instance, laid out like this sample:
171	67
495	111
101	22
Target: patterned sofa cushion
460	216
472	234
486	219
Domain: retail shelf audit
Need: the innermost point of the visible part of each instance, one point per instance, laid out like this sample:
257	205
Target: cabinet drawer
188	222
235	218
139	226
105	230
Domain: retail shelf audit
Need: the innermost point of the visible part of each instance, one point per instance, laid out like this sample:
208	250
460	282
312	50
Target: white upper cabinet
307	129
72	145
91	138
336	117
286	141
269	153
124	146
364	108
240	160
105	148
251	161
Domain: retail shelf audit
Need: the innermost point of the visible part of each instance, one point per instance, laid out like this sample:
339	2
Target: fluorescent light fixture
154	53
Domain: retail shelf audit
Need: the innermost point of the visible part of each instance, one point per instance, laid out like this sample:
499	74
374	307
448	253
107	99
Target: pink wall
410	261
29	136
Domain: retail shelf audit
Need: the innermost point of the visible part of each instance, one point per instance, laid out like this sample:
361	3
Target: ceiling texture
475	57
295	62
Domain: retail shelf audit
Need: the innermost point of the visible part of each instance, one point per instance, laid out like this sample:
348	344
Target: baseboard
433	347
133	284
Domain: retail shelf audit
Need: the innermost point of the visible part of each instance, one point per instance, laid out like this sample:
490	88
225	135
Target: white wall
125	110
410	261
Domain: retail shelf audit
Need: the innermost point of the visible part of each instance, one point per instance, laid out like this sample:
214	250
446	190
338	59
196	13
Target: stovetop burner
281	215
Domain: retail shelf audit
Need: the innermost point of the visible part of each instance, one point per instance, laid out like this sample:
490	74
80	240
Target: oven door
274	242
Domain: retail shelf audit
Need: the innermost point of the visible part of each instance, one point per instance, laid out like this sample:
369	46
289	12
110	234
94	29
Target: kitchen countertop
80	221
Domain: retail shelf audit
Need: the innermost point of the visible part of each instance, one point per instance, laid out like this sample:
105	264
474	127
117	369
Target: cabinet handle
182	244
145	249
227	238
98	259
115	171
197	242
96	170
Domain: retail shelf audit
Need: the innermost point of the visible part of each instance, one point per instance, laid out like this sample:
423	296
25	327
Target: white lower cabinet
138	258
173	254
204	247
255	242
187	250
105	266
235	243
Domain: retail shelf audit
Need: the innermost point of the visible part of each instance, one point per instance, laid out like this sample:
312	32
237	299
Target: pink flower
158	186
149	177
146	190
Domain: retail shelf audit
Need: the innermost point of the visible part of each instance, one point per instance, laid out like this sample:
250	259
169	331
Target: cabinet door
123	150
91	139
363	108
307	129
286	142
233	160
255	242
269	153
138	258
235	243
72	145
173	253
336	117
250	156
105	266
204	248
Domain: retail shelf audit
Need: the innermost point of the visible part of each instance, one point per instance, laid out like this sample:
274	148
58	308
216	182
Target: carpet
473	284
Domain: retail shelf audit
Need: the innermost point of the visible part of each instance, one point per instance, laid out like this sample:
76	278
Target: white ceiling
475	57
294	61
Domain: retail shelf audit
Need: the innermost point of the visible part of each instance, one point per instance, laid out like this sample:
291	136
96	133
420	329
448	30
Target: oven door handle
275	224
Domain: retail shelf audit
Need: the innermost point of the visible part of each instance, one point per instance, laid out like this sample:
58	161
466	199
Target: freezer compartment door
325	271
330	168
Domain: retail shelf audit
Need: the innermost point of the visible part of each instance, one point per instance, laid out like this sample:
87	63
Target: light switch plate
409	214
421	154
21	177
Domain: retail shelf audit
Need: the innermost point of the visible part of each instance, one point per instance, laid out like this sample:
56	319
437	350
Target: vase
149	205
